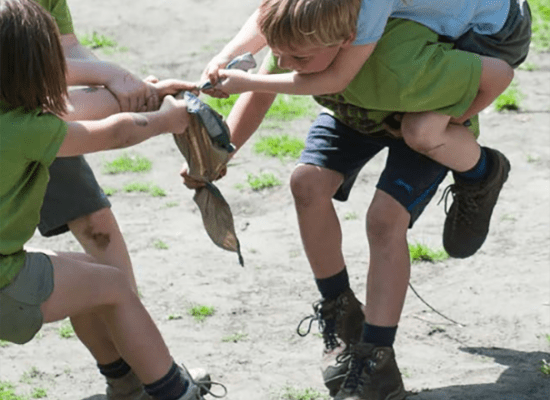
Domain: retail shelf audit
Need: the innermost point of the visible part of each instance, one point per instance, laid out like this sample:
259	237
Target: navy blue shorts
72	192
409	177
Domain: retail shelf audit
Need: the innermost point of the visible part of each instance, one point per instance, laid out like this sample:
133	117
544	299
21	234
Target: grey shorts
510	44
20	301
72	192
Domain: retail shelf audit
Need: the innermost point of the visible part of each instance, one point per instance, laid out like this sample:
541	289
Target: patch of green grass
157	191
96	41
540	10
109	191
262	181
529	66
39	393
420	252
144	187
291	393
171	204
350	216
4	343
160	245
236	337
29	375
285	107
200	313
279	146
173	317
510	99
128	163
66	330
545	367
7	391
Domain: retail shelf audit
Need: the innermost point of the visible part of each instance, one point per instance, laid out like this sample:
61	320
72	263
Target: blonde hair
293	23
32	65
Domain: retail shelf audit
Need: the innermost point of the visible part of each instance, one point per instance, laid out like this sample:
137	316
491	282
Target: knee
302	185
418	134
386	223
96	227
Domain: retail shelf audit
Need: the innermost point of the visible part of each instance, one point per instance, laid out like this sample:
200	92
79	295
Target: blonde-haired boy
443	137
409	71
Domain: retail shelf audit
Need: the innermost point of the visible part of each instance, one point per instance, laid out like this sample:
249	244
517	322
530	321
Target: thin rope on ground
433	309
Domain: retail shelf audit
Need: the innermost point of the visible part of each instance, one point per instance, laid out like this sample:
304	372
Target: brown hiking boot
129	386
467	222
372	375
341	323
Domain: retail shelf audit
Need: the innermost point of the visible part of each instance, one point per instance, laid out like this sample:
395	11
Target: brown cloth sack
206	148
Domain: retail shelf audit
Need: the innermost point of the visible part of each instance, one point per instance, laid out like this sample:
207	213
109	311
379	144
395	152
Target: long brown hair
32	65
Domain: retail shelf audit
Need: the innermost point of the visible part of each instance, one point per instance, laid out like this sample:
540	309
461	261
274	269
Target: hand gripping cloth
206	146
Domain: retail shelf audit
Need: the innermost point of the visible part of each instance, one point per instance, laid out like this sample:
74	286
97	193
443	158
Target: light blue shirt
450	18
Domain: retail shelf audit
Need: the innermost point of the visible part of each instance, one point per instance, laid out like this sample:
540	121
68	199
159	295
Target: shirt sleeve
372	19
43	134
59	10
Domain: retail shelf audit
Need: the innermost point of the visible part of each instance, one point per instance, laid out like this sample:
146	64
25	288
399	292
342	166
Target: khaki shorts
20	301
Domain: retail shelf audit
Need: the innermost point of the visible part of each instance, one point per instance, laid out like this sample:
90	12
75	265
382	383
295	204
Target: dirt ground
500	296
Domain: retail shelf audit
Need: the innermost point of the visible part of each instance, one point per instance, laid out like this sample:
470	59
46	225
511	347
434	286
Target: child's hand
173	87
191	182
132	93
211	72
234	81
177	118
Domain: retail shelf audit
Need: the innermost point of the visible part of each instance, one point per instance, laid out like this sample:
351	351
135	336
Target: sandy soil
500	297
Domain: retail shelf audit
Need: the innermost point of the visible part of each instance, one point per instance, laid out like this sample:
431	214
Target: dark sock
114	370
170	387
479	172
334	285
379	335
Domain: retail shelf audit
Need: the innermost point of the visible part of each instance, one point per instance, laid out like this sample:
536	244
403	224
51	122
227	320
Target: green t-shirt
59	10
29	142
409	71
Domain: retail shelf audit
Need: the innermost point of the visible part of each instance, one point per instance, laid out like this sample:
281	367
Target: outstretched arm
124	129
84	68
333	79
93	103
248	39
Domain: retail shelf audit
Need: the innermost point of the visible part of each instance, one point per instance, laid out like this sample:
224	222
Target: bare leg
389	267
313	188
451	145
100	236
81	288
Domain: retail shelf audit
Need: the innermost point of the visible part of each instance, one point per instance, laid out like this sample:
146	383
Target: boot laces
203	385
329	332
465	197
354	377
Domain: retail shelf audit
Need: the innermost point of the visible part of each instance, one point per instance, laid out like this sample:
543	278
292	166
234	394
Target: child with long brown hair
38	287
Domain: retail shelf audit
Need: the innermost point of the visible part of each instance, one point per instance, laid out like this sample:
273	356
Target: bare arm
247	39
84	68
248	112
333	79
124	129
93	103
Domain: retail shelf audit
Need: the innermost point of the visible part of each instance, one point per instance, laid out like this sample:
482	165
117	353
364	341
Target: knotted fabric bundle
206	147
